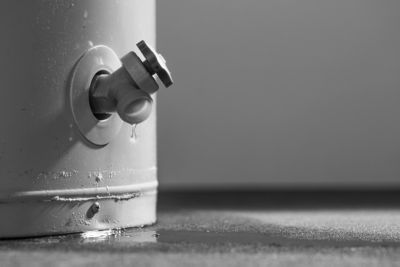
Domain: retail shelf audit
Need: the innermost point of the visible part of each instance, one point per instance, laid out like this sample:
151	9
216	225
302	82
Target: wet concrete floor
236	229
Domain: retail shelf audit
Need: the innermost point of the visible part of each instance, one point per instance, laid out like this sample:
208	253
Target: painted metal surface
50	176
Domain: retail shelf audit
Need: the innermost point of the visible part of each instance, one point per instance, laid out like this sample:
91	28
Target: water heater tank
64	168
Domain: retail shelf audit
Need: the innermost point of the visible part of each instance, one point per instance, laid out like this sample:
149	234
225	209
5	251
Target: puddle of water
112	236
118	236
98	235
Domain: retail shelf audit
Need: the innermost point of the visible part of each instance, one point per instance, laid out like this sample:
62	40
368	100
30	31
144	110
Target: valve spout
116	92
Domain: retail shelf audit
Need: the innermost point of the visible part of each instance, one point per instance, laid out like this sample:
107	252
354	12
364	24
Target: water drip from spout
133	133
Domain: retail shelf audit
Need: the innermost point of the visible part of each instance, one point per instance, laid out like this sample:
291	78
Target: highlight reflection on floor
231	228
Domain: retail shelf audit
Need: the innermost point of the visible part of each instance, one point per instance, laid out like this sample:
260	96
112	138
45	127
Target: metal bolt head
155	63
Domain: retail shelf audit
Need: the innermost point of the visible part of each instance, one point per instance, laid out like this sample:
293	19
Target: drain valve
128	89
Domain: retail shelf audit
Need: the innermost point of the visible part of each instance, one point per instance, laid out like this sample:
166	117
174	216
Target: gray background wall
280	93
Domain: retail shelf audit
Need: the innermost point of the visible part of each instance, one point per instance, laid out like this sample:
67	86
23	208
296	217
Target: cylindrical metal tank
52	179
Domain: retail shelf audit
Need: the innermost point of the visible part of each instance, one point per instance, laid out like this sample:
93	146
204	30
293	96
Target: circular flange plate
95	60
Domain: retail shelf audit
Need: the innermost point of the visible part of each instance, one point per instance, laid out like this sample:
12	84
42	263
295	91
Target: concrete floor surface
236	229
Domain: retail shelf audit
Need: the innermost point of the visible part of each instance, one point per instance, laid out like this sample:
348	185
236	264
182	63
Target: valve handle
155	63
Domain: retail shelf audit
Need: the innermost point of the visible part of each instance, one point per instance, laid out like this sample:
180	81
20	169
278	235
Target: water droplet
156	235
133	134
85	14
90	43
99	177
63	174
70	139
